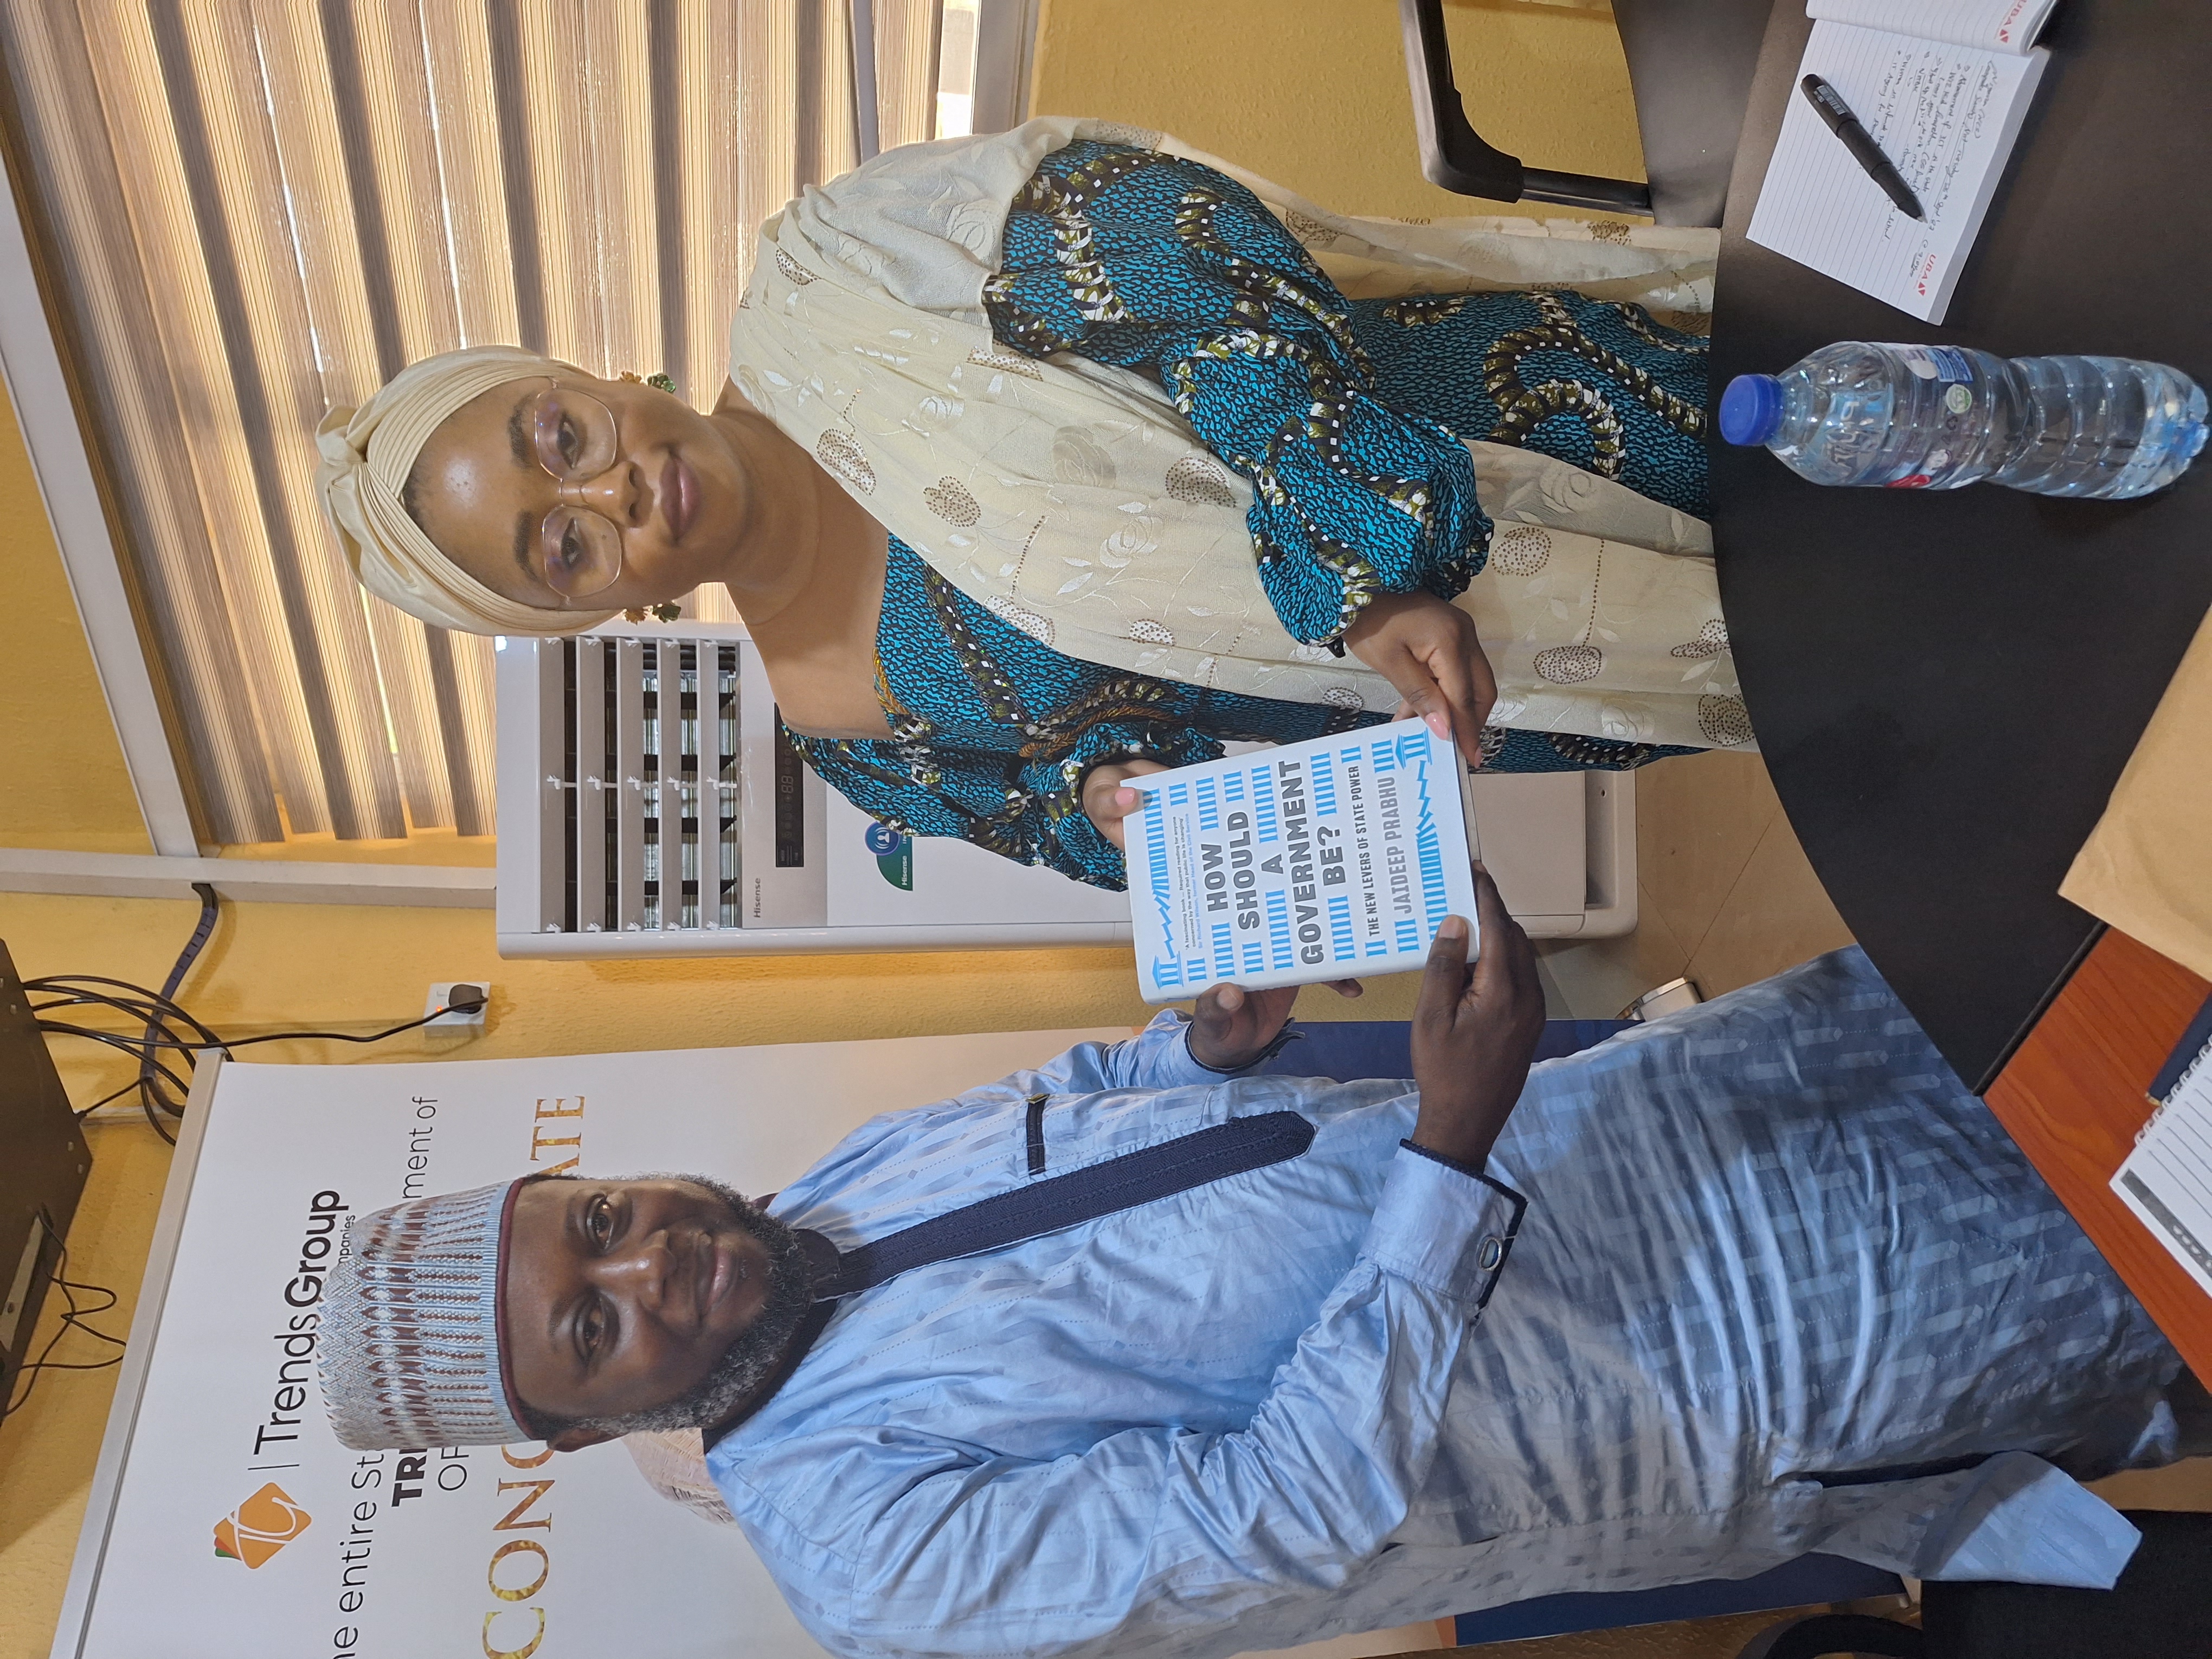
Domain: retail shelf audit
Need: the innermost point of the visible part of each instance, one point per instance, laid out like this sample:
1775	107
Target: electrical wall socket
441	993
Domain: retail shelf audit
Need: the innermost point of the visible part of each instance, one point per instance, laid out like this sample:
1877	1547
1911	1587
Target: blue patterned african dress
1348	420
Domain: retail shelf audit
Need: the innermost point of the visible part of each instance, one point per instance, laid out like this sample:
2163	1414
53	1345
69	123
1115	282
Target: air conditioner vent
650	784
651	805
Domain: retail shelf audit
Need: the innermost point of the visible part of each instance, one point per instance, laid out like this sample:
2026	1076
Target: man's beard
749	1359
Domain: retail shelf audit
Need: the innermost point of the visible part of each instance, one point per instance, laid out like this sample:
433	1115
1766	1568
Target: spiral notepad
2167	1179
1943	90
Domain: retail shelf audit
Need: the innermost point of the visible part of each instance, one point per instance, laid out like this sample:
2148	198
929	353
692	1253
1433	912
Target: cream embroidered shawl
1074	501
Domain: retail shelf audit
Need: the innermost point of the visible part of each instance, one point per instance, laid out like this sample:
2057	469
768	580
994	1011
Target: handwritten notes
1946	115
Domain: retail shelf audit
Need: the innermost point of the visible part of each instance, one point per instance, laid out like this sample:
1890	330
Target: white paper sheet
1996	25
1946	116
2167	1179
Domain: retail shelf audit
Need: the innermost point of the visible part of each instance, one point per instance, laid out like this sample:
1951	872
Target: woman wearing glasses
1060	455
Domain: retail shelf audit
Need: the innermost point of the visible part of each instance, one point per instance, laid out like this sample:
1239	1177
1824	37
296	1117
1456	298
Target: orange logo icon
260	1527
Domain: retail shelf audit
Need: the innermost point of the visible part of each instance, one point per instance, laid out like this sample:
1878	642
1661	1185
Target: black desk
1946	684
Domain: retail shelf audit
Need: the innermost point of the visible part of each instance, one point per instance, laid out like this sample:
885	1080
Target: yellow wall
1311	92
62	777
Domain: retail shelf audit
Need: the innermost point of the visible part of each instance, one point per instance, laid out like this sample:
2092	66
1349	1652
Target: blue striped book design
1263	804
1166	971
1278	929
1436	897
1324	787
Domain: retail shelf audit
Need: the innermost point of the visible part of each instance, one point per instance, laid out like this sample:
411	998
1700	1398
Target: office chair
1691	63
2160	1609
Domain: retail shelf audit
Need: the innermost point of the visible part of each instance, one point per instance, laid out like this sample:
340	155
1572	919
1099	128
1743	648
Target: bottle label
1958	399
1911	481
1945	363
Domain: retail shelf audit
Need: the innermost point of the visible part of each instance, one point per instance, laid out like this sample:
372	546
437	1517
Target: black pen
1866	153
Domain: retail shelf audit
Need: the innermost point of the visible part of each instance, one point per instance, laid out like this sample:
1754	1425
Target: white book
1316	861
2167	1179
1943	89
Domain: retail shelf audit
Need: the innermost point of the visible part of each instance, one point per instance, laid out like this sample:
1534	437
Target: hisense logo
260	1527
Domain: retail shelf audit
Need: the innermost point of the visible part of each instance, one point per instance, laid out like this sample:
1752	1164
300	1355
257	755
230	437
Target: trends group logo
260	1527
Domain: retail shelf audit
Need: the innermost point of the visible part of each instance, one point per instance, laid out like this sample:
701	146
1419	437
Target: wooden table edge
2072	1097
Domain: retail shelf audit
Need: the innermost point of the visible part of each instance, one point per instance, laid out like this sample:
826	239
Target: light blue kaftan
1773	1256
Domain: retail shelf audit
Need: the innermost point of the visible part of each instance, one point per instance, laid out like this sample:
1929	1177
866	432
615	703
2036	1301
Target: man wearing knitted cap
1136	1355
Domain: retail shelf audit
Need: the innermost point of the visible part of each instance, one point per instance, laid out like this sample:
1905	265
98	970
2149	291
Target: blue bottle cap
1751	409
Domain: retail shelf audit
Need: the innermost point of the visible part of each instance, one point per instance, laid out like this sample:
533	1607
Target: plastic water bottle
1935	417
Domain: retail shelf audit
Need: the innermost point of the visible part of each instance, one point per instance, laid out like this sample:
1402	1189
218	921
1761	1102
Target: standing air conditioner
650	806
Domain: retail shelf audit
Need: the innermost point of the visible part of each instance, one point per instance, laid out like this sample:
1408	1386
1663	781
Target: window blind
252	210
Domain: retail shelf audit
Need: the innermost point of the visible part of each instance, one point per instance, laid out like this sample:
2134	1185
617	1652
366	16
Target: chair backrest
1691	63
1454	155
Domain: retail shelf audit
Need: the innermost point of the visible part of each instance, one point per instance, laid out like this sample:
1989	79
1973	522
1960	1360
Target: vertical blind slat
212	63
463	62
664	105
140	430
317	192
515	180
906	48
147	87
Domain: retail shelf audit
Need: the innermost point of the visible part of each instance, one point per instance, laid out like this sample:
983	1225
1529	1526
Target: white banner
228	1523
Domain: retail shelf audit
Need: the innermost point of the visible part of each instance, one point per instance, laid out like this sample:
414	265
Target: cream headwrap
367	454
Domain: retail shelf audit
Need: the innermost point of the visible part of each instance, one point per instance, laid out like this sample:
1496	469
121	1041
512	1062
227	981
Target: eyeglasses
575	438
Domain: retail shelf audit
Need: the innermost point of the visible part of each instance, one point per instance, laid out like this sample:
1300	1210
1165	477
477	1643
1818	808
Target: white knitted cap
411	1351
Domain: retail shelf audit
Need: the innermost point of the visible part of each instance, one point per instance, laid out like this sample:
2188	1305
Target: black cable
145	1010
135	1044
73	1319
162	1016
152	1073
134	1047
149	1095
87	1111
159	1010
142	1004
209	906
